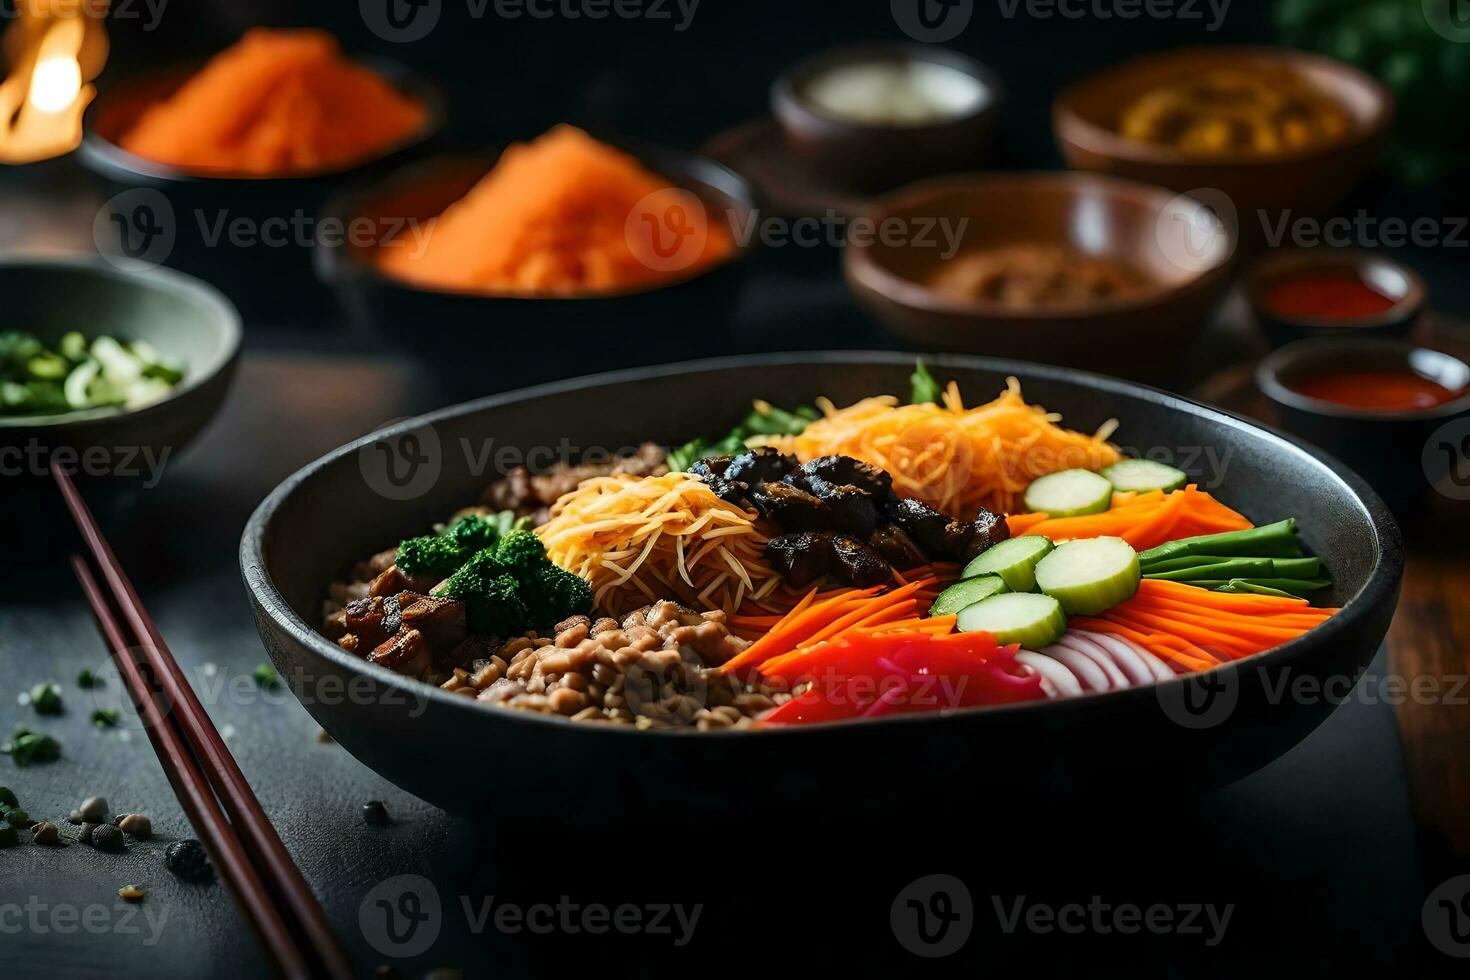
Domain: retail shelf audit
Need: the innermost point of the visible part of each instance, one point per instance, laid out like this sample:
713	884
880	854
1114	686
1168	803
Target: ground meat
532	494
656	669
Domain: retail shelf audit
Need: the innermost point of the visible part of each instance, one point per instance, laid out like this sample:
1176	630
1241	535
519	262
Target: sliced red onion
1091	676
1056	679
1122	654
1075	641
1158	670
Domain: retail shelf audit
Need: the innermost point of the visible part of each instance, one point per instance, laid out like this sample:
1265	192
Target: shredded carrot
953	458
563	215
826	618
1144	520
276	102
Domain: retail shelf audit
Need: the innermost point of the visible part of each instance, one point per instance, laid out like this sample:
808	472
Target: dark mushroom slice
730	491
854	510
990	530
800	558
919	521
790	508
710	466
760	465
896	547
857	564
847	471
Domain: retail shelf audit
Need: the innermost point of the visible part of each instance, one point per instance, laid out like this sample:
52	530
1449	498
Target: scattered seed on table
75	817
187	859
94	809
7	797
136	825
131	893
375	813
107	838
46	699
85	834
9	837
46	833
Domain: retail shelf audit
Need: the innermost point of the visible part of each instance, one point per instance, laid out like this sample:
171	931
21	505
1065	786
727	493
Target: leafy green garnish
925	389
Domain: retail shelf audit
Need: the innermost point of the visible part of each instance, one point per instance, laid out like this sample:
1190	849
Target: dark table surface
1317	858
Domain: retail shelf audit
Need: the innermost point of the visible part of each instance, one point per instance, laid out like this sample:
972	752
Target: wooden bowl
1146	228
861	156
1085	118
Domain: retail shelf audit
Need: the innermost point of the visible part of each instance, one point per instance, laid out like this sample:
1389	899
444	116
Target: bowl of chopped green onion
101	360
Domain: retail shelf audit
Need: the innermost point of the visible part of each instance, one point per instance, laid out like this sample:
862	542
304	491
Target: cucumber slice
1032	620
1144	474
1089	575
1069	493
1014	560
967	593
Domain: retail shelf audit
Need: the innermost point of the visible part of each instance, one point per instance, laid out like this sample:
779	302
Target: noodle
640	539
955	459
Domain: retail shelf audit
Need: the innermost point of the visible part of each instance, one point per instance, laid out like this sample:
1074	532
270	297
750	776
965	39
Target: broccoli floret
473	533
442	554
491	595
522	553
553	594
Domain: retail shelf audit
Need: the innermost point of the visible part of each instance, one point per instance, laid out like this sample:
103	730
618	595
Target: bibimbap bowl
1205	730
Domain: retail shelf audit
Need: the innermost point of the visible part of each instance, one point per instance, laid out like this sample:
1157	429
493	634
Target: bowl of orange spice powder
221	168
579	252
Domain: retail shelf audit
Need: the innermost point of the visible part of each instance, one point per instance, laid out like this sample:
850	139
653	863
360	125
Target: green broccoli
522	553
553	594
441	554
491	596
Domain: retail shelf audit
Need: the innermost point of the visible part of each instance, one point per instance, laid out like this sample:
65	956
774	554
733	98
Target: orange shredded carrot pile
953	458
759	614
819	617
564	214
1196	628
276	102
1144	520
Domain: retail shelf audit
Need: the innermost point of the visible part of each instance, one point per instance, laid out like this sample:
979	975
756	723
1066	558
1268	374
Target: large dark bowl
179	316
464	757
238	231
662	322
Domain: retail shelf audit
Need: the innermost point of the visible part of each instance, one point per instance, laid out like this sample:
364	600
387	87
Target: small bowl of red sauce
1373	403
1304	293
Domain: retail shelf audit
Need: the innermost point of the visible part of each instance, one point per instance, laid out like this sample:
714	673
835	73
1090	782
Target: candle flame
43	98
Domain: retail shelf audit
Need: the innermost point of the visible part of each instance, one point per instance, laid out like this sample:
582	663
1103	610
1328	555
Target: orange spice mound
563	215
276	102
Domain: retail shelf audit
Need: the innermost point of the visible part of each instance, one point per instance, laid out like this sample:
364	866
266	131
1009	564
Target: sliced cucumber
1144	474
1089	575
967	593
1013	559
1069	493
1032	620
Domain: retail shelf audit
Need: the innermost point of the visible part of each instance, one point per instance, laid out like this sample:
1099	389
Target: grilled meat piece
938	535
847	471
857	564
393	580
896	547
760	465
801	558
405	653
442	621
373	619
990	529
730	491
854	509
789	508
710	466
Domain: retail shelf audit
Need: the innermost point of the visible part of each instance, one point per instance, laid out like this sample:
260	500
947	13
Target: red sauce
1385	391
1328	295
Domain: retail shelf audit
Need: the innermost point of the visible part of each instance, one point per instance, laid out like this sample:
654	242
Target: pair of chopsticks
278	905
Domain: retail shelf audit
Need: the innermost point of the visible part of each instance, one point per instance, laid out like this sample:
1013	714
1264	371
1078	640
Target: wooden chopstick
193	791
248	823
